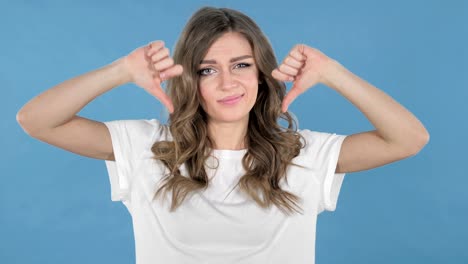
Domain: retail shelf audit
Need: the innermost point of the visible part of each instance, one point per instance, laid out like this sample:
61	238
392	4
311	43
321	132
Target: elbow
419	143
21	118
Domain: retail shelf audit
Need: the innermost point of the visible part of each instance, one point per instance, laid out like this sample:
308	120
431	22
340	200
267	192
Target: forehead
229	45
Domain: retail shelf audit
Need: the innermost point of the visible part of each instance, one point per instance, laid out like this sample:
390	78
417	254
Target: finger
297	55
291	61
290	97
160	54
173	71
163	64
286	69
153	47
278	75
159	93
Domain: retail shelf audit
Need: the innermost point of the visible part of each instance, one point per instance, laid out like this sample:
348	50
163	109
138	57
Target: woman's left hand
305	67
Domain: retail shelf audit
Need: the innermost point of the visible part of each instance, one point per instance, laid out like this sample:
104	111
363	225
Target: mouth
231	99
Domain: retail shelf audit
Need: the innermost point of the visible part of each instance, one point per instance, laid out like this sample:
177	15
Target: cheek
253	84
205	95
253	79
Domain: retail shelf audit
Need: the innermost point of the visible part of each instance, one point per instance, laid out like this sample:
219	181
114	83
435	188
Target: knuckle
291	61
157	66
158	43
154	44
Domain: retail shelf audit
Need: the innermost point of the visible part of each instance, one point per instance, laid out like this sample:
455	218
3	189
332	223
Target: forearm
393	122
60	103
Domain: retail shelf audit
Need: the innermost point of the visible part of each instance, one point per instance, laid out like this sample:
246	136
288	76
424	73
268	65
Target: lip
231	99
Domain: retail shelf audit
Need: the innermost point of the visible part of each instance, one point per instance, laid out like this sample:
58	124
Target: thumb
290	97
157	91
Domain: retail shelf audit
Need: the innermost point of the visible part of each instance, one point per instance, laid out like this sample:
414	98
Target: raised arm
398	134
51	116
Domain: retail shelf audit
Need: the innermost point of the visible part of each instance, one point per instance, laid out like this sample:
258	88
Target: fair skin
398	134
52	116
228	69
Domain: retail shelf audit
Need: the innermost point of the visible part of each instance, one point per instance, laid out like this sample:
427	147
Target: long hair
270	147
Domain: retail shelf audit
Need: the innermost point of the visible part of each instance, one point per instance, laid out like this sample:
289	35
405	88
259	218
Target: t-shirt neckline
229	153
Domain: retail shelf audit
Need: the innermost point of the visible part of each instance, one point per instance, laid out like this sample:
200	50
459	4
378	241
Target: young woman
223	182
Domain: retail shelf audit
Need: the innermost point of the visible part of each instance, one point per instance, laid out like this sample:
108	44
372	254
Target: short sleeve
130	139
324	150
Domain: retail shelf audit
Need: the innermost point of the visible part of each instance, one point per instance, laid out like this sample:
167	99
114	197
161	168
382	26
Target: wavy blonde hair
270	147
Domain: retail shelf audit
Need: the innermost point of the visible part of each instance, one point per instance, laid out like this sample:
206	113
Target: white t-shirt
221	224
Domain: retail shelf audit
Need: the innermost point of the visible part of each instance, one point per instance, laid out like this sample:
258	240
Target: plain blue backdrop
55	206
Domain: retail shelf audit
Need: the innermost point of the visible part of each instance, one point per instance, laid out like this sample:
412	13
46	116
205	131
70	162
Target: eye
244	65
204	71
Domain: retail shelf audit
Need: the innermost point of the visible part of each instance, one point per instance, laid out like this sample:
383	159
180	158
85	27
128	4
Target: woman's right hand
149	66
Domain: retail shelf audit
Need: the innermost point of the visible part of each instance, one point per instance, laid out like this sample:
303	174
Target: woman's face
228	79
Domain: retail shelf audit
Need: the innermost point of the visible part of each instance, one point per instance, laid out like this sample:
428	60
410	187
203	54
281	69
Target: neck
228	135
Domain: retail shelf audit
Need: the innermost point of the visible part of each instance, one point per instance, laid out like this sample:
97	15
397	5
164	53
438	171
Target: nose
227	80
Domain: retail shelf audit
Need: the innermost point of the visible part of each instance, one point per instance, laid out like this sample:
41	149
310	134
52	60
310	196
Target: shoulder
311	136
140	129
315	141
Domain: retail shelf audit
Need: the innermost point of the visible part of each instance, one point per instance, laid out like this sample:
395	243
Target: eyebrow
232	60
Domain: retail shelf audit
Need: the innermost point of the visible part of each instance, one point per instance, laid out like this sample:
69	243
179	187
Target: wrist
121	71
334	74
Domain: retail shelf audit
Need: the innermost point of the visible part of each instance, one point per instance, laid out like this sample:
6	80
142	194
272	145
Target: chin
231	117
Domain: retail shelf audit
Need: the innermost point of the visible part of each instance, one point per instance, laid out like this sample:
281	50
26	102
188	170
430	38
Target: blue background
55	206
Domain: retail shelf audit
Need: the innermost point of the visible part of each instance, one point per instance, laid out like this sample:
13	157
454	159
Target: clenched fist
149	66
